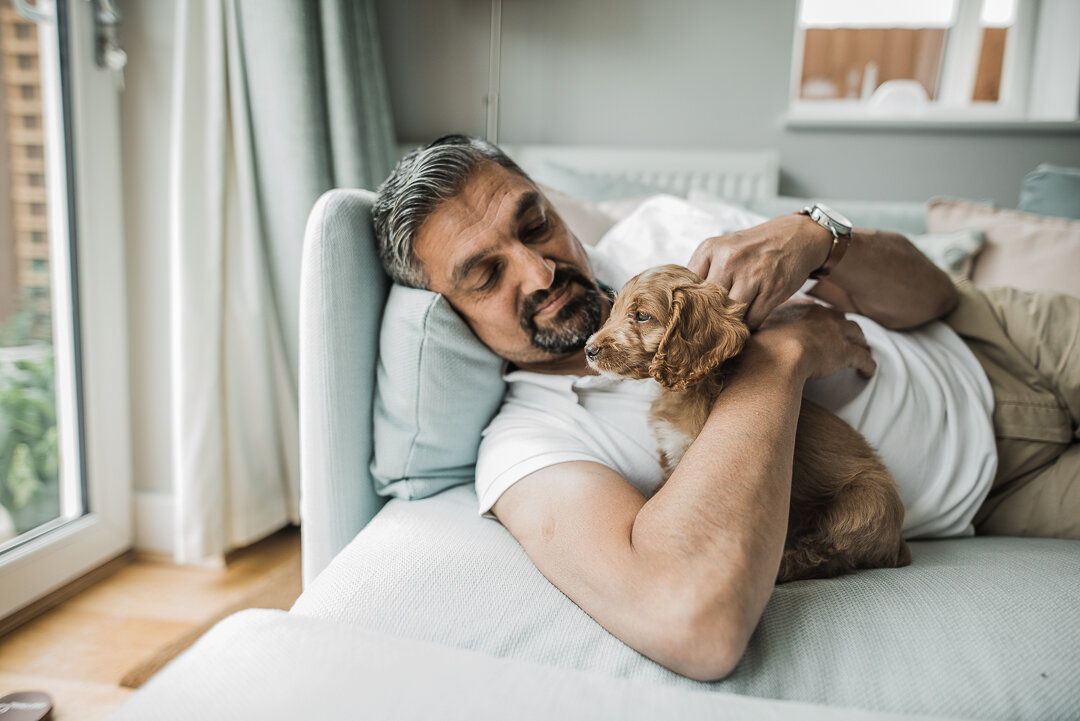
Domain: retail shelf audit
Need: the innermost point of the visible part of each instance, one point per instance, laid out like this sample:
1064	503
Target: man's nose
538	271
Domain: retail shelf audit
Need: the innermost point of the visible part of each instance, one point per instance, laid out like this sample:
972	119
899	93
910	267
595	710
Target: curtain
275	101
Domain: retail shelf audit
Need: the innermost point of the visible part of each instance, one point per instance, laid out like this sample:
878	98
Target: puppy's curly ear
706	328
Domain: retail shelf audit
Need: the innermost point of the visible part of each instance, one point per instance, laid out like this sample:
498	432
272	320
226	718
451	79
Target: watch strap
836	250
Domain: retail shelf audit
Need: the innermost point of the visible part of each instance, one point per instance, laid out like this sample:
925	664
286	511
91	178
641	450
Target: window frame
98	344
953	108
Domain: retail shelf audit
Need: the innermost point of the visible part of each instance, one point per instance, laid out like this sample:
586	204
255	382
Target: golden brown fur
845	510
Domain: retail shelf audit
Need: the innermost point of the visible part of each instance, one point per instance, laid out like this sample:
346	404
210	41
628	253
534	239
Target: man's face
511	268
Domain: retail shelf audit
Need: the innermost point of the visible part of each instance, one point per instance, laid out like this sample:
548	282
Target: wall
679	73
148	38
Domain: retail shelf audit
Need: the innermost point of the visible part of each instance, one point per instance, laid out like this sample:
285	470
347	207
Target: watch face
843	224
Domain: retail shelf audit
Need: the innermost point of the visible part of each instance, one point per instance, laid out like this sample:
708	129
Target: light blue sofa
980	627
429	591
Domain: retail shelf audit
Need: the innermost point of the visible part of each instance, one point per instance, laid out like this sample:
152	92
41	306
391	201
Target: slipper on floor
26	706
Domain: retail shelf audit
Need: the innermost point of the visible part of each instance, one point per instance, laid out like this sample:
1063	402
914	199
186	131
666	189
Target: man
683	575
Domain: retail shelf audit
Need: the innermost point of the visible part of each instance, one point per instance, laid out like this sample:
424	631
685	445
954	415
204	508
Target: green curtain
275	102
320	118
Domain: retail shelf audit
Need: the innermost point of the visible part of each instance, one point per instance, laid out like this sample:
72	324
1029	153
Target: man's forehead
492	198
489	187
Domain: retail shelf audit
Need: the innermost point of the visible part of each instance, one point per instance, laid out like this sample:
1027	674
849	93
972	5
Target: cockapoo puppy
667	324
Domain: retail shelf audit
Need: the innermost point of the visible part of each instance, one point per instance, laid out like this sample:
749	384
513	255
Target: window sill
851	119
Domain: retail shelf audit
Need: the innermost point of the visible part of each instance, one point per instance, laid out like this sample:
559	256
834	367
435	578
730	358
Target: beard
578	319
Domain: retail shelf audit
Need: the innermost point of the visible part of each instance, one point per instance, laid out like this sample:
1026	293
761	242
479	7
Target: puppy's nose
591	351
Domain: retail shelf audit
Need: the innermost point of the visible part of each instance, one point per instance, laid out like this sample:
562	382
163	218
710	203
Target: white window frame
953	107
49	560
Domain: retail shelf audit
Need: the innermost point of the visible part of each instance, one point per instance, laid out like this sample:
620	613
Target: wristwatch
840	227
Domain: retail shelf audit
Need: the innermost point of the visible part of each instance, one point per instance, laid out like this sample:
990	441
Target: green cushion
1051	190
595	187
952	252
437	386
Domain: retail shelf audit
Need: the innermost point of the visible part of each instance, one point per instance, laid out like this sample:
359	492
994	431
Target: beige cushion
584	219
1031	252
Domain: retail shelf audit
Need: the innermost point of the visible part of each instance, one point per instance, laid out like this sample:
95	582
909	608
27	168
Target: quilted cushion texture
980	627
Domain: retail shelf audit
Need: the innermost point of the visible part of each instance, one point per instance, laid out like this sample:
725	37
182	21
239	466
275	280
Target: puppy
667	324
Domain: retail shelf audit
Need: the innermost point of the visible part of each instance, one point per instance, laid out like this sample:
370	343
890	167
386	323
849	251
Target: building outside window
30	459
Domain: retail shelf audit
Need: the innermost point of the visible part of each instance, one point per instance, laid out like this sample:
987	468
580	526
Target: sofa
416	606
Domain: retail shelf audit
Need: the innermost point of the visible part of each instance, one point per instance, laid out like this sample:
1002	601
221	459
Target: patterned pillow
952	252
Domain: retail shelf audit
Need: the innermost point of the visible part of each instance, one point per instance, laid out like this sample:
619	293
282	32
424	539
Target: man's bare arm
683	577
882	276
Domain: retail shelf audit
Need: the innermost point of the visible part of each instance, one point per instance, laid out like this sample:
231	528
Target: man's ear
706	328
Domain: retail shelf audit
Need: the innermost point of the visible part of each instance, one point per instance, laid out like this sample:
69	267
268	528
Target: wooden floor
79	651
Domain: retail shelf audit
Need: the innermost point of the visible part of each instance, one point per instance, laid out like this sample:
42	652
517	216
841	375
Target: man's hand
764	265
882	275
825	340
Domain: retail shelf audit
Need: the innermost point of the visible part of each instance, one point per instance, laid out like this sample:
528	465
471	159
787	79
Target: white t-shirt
926	410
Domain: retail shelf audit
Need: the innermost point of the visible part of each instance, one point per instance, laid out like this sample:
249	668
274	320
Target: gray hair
418	184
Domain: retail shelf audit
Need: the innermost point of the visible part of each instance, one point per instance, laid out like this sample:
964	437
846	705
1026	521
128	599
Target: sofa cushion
436	388
975	627
1023	250
264	664
1051	190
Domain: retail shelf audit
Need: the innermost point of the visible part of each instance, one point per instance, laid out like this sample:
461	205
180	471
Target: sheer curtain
275	101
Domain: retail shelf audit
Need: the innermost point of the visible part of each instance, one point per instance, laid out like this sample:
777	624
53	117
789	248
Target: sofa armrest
342	292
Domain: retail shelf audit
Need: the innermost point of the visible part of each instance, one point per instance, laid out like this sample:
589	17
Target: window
851	51
65	482
936	60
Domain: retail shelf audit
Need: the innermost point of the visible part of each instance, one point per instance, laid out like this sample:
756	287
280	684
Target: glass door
65	479
40	469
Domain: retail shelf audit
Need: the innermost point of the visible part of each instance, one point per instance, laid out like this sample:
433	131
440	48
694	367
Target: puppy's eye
642	316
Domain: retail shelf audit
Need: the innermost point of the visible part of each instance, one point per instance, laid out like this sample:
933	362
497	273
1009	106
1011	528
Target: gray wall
148	38
678	73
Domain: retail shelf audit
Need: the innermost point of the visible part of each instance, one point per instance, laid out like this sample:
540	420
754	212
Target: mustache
564	275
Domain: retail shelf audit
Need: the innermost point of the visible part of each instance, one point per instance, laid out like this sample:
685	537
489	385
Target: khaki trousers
1029	346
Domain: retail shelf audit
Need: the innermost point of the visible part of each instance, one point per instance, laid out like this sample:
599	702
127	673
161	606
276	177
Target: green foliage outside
29	451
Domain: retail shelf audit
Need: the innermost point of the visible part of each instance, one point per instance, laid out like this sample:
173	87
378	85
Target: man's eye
489	281
642	317
537	230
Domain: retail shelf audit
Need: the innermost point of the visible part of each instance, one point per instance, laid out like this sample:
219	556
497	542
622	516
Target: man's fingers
718	275
701	261
865	364
854	334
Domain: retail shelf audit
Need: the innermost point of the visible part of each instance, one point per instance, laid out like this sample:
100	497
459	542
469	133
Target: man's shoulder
534	396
